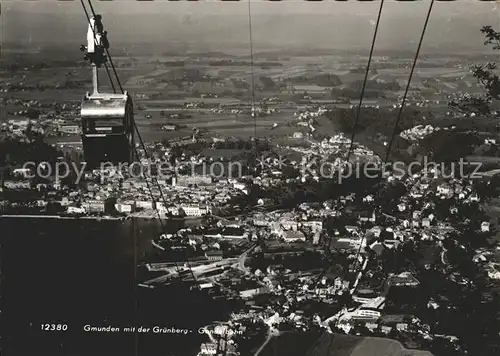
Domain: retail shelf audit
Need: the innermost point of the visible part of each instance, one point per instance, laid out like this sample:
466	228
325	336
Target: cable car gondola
107	119
107	129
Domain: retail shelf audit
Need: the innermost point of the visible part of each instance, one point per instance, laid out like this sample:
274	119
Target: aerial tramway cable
403	102
140	139
164	200
252	72
367	72
95	41
408	85
353	134
107	51
404	98
417	53
362	94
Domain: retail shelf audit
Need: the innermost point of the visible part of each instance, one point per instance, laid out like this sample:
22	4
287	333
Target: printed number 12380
54	327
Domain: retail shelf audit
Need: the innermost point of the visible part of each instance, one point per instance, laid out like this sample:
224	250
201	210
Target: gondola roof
104	105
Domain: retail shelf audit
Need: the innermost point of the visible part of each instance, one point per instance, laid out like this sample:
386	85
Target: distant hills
227	32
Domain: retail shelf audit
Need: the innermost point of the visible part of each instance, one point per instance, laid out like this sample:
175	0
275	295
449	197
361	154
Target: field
192	84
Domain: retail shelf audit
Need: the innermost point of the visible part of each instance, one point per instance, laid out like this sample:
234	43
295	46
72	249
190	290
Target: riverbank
152	215
188	219
23	216
59	263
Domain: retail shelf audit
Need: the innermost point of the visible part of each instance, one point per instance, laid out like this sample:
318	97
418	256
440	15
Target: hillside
300	344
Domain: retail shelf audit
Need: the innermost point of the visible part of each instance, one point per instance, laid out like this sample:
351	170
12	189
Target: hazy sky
293	23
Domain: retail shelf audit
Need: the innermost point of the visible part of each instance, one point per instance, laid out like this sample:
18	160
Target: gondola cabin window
110	126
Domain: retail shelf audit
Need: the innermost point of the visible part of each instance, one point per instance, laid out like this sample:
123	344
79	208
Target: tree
481	105
267	82
327	80
439	143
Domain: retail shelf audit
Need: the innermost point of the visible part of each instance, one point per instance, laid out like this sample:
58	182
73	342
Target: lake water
82	272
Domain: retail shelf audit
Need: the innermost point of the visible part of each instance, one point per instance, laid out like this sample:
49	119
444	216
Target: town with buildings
346	264
342	260
324	226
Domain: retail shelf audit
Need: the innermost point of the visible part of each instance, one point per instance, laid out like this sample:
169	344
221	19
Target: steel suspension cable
107	51
252	71
95	41
162	196
142	144
155	208
367	73
362	94
403	102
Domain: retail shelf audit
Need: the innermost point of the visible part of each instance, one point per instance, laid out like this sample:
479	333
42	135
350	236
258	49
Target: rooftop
104	105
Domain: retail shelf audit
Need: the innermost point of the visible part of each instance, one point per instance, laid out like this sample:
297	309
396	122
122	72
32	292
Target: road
270	334
198	271
326	322
157	246
241	260
209	334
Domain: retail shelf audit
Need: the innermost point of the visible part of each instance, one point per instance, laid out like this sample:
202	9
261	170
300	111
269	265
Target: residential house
215	255
291	236
402	279
194	210
94	206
